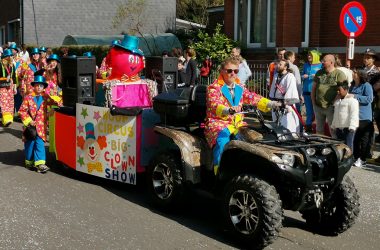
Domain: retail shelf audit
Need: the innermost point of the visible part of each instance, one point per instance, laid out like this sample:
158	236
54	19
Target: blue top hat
114	42
130	43
54	57
39	80
90	130
87	54
35	51
14	46
7	53
43	49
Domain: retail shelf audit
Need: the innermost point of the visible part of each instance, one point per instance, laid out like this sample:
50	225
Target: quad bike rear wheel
253	210
337	214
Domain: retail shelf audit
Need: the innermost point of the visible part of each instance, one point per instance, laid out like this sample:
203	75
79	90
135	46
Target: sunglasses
229	71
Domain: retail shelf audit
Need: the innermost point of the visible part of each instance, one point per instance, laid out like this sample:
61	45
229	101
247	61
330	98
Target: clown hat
114	42
7	53
130	43
35	51
90	131
53	57
87	54
39	80
14	46
43	49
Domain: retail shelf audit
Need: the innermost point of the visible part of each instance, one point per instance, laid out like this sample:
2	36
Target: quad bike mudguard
194	151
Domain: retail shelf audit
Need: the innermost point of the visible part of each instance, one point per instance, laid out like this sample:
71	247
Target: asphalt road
67	210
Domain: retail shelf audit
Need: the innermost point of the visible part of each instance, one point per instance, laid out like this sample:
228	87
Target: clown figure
124	87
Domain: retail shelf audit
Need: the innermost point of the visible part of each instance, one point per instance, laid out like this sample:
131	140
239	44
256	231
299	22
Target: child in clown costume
225	98
124	87
33	111
27	72
7	74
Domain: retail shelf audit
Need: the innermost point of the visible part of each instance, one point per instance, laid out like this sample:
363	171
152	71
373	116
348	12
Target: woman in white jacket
346	115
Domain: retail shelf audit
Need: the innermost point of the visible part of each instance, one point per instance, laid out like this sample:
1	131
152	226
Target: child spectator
346	115
363	92
33	112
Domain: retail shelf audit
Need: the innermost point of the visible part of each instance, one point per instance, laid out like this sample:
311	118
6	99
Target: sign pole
350	49
352	21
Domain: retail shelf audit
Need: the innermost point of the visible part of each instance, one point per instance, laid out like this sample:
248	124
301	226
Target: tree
196	10
216	46
131	10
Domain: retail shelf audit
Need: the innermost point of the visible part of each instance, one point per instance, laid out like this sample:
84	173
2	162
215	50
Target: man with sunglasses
225	97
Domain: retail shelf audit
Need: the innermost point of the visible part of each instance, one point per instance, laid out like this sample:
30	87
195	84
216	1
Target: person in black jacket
191	68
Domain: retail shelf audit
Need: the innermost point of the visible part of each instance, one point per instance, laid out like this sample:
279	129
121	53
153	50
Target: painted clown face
91	150
124	62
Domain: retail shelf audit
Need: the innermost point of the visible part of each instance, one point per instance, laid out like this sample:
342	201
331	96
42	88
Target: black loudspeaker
78	80
164	70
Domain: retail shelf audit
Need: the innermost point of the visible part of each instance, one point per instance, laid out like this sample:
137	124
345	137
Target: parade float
97	140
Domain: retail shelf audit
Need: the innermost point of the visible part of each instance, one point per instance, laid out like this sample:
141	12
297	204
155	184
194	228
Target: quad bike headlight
326	151
311	151
284	159
288	159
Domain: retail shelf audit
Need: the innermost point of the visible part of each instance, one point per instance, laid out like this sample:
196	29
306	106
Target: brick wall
229	10
289	23
56	18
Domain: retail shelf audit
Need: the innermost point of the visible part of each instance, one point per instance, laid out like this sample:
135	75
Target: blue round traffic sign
353	19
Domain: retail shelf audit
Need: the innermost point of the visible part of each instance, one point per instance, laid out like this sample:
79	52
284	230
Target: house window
2	35
271	23
255	23
14	31
305	23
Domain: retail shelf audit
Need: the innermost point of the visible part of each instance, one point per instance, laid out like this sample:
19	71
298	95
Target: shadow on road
13	158
371	167
15	132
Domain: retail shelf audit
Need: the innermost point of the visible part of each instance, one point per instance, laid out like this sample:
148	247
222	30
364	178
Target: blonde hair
190	52
230	59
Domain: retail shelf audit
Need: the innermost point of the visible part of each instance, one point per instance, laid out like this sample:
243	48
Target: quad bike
267	169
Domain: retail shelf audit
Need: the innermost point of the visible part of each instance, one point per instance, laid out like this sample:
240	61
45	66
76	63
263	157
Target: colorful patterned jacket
28	111
27	76
219	98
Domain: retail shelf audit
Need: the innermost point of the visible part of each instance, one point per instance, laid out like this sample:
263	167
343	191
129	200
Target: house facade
47	22
261	26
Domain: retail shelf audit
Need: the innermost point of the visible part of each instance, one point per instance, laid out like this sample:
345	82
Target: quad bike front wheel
253	210
164	180
337	214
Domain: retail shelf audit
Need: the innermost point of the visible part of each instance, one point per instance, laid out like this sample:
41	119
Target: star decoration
84	113
97	115
80	128
81	161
